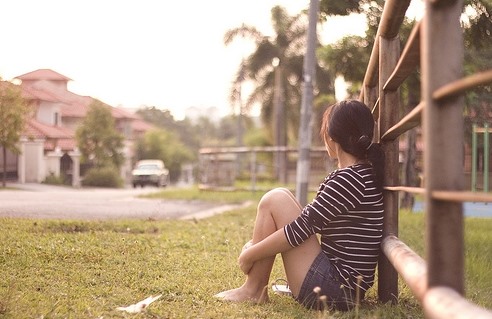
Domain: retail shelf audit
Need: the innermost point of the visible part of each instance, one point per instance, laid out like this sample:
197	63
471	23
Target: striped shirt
347	212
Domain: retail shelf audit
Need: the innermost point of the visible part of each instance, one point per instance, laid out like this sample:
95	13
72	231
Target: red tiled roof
33	93
43	74
54	135
71	104
141	126
35	129
77	110
63	144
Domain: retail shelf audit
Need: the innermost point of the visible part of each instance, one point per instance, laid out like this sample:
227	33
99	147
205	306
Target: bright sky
130	53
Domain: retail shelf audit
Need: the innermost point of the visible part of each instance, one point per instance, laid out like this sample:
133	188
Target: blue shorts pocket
322	279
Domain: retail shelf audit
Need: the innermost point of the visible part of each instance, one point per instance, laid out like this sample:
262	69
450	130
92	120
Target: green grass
82	269
223	197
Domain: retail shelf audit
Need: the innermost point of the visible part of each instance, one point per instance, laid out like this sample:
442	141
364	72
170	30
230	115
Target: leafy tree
163	145
286	48
158	117
349	56
99	142
14	111
207	130
478	57
183	130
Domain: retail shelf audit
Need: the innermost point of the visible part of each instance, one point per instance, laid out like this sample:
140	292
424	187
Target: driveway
56	202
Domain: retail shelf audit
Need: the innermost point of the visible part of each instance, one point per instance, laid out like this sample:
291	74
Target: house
48	145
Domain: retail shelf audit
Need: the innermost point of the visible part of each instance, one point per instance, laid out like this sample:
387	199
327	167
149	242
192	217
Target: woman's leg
276	209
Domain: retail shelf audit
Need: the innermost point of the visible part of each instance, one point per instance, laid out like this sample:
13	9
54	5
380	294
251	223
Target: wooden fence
436	46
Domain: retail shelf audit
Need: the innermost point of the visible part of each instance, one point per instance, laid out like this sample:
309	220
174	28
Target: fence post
474	159
389	101
486	158
442	62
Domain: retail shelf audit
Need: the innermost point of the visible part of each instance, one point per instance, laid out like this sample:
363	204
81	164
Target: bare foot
242	295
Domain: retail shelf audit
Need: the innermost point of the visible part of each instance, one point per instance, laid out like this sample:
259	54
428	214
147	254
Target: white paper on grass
139	306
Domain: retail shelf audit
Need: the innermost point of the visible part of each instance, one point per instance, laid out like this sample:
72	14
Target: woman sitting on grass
347	213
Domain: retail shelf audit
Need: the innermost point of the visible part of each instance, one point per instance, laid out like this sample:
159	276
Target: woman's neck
346	159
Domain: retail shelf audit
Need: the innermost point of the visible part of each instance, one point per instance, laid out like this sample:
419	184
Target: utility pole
306	127
240	130
279	115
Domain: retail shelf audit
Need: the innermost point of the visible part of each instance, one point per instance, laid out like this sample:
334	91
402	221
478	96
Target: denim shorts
324	275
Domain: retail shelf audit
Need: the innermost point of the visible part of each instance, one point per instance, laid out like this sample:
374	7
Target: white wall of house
52	161
49	113
31	161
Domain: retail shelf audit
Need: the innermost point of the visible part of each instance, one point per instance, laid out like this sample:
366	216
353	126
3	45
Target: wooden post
474	159
389	101
486	158
442	60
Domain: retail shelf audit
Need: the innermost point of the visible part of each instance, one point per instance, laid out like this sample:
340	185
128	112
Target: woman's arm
268	247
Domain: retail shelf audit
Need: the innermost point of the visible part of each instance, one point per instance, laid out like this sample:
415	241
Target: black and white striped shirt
348	214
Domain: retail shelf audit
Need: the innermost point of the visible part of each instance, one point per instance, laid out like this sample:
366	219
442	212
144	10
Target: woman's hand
245	263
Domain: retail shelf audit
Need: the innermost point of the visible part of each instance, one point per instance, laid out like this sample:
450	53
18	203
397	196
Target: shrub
53	179
107	176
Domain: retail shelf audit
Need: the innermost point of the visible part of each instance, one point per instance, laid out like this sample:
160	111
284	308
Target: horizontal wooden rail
372	72
452	196
445	303
223	150
438	302
456	196
408	189
409	121
409	60
410	266
461	85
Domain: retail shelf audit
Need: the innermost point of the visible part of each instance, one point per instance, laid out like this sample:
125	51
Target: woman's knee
281	204
273	196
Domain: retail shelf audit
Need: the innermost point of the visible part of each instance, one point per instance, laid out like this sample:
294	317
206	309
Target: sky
134	53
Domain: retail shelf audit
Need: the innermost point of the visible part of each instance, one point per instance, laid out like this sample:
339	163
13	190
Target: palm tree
275	68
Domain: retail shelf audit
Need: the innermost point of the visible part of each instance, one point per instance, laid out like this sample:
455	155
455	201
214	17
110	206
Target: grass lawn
82	269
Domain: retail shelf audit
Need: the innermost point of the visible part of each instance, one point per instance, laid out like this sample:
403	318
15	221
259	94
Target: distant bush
53	179
103	177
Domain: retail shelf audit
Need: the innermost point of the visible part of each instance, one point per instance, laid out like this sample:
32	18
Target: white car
150	172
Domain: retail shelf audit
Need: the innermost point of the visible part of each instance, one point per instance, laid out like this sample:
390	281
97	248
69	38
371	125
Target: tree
158	117
279	56
99	142
478	57
14	111
164	145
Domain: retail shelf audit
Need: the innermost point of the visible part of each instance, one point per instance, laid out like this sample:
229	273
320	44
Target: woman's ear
331	147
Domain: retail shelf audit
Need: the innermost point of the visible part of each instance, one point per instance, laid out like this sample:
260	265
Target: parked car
150	172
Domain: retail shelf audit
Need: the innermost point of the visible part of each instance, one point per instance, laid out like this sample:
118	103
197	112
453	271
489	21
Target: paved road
55	202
